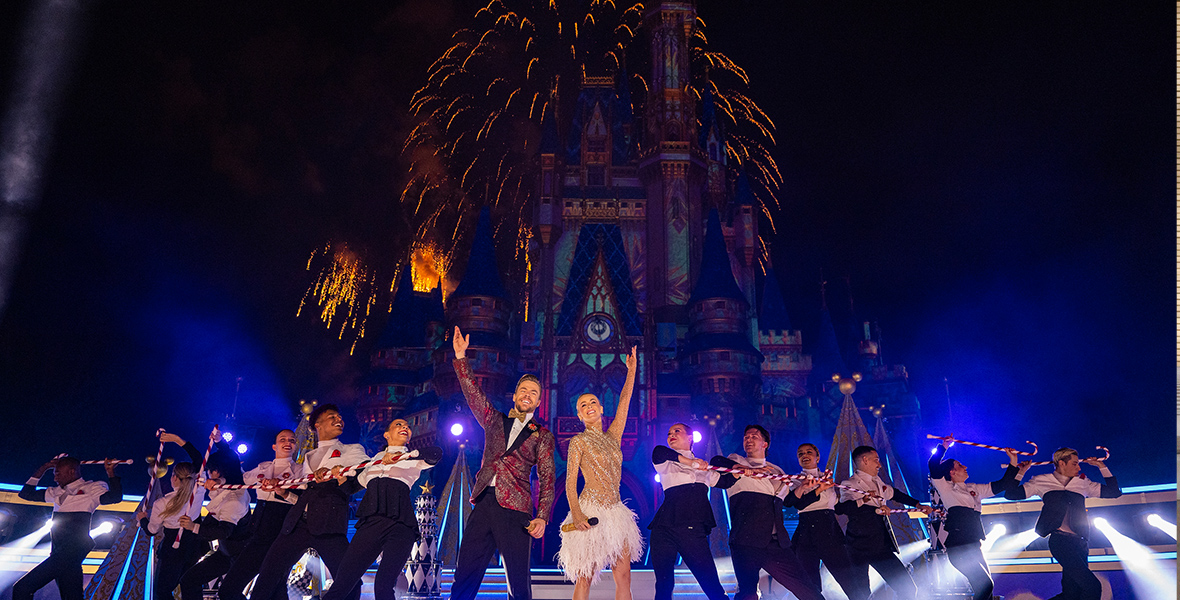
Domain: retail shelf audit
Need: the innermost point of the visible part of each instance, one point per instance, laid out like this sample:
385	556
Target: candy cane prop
152	469
988	446
288	484
193	495
1039	463
103	462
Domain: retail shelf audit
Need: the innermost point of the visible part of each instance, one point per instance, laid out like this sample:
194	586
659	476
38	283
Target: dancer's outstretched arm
620	420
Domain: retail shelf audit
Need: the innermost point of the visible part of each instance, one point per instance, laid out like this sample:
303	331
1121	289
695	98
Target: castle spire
716	274
483	276
772	315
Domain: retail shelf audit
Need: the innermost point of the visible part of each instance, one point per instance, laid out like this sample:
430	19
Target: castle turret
479	306
719	359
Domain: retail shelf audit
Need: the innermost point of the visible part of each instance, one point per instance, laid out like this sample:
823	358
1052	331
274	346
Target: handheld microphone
568	527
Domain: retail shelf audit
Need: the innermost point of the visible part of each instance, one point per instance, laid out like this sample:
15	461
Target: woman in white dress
615	540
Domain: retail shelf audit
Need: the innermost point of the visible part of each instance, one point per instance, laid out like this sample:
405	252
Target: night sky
993	182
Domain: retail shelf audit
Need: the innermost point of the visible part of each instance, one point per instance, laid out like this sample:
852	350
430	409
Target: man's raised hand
460	342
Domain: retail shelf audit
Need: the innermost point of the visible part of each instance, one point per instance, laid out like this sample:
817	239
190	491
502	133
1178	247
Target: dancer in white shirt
818	536
386	524
74	500
1063	517
964	520
685	518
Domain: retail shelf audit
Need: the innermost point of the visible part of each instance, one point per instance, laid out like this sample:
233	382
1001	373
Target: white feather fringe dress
584	554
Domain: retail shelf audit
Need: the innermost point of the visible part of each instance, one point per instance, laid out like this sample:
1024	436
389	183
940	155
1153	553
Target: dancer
267	521
226	509
615	540
870	535
503	515
74	500
319	519
164	520
964	518
386	524
684	520
1063	517
758	538
819	536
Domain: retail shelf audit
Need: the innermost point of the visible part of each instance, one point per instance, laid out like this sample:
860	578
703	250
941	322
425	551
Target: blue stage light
657	477
104	527
227	436
243	448
457	429
696	437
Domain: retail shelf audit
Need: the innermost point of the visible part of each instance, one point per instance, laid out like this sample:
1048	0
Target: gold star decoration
426	487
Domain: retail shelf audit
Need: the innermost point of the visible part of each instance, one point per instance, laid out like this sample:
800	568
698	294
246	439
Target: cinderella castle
646	237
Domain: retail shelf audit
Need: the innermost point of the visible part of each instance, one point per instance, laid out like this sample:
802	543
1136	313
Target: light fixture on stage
1150	577
227	436
998	531
243	448
909	553
16	550
657	477
1158	522
1013	543
696	437
104	527
457	429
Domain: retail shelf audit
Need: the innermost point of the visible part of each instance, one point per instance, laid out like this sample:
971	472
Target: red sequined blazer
510	466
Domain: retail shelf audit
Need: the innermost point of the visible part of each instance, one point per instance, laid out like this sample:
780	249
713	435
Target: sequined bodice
601	463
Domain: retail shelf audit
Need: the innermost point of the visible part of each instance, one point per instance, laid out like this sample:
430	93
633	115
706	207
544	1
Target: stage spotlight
998	531
1012	543
657	477
104	527
1150	577
1164	526
48	525
457	429
696	437
227	436
243	448
934	451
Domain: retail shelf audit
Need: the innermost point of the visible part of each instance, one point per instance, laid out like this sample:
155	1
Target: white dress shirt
78	495
759	485
172	521
405	470
827	498
869	483
673	473
334	453
962	493
1039	485
279	468
517	427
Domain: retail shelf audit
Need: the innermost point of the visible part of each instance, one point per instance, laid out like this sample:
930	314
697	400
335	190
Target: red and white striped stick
896	511
192	496
103	462
988	446
1039	463
294	483
152	469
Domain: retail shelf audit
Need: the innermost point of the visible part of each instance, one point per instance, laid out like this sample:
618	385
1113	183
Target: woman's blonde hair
183	471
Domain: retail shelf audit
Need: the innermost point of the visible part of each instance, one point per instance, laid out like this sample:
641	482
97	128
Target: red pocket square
335	454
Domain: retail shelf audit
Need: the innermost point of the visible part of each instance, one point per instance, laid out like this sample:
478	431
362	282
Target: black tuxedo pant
374	536
968	560
819	538
64	565
171	563
491	527
286	551
889	567
693	544
269	523
780	563
207	569
1078	582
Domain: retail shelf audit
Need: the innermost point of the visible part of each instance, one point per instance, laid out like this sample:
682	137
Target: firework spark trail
515	72
47	50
